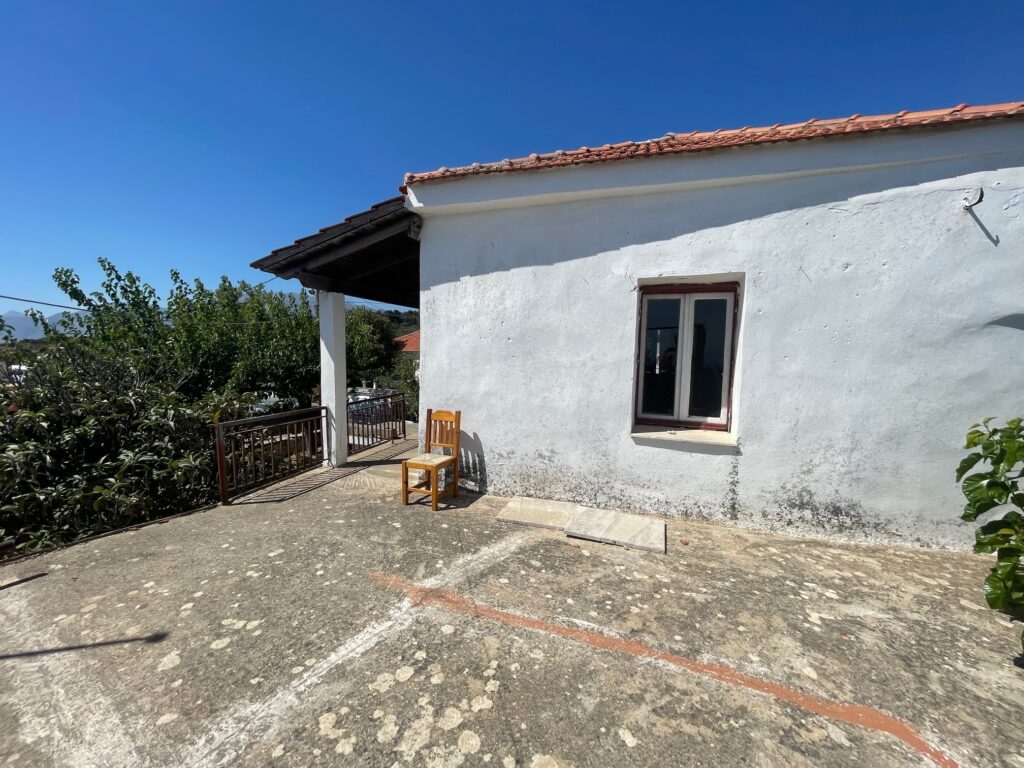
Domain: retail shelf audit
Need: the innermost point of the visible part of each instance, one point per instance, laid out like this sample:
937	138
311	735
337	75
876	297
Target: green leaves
1003	532
967	465
107	432
369	345
983	493
1004	588
1001	449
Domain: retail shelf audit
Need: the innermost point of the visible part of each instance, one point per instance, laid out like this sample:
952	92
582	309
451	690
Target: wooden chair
442	432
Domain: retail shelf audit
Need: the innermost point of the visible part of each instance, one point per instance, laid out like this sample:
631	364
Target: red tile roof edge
702	141
409	342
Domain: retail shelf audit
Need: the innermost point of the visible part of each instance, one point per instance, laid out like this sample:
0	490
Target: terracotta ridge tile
700	141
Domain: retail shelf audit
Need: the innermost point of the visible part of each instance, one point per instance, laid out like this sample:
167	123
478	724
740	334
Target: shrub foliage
998	452
109	425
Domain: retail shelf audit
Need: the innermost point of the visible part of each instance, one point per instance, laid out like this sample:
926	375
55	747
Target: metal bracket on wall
970	202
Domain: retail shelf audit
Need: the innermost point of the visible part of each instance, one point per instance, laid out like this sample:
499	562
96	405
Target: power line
83	309
379	306
44	303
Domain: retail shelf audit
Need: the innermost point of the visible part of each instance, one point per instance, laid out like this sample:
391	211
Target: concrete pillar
333	386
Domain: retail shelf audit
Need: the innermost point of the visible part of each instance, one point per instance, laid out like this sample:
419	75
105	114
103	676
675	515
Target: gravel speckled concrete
280	634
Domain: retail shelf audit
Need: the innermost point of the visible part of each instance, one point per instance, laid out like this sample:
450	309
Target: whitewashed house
785	327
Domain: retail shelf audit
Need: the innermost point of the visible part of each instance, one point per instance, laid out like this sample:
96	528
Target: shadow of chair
472	465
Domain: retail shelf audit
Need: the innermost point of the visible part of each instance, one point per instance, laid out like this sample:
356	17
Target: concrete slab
542	513
611	527
340	628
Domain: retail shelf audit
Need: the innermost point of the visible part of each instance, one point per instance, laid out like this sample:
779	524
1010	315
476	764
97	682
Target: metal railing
374	421
264	449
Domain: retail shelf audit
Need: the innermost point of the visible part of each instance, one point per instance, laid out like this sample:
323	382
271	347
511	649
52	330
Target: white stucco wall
866	344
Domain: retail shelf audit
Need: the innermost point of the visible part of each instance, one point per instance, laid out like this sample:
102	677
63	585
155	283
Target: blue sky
199	136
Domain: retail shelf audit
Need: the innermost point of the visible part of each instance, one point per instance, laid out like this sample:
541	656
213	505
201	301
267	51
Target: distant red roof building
410	342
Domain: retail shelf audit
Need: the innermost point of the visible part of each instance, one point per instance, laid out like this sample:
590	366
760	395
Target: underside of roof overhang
371	255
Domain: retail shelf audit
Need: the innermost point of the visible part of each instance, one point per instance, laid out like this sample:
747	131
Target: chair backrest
443	430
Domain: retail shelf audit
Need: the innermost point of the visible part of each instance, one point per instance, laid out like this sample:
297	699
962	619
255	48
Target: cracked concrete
340	628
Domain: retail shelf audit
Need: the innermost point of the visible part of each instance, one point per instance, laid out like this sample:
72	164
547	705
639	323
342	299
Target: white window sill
685	436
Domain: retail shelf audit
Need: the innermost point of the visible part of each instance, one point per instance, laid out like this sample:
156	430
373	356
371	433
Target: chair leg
435	479
405	484
455	479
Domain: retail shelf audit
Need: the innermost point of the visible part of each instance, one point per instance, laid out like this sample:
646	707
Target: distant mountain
23	326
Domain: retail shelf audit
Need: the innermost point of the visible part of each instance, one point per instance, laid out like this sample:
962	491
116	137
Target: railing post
326	422
348	428
307	441
222	471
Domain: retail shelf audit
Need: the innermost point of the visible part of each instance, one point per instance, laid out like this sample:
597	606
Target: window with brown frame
686	355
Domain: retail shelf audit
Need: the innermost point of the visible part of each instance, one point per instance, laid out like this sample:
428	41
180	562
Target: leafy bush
93	445
1002	450
110	426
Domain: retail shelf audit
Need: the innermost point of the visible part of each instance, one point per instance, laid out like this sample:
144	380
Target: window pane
708	362
660	345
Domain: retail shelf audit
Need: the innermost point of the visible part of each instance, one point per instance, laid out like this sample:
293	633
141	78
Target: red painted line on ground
853	714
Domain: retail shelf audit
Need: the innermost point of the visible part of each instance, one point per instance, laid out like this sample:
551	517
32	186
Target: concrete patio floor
340	628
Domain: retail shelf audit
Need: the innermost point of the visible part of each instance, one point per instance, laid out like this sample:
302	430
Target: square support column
333	375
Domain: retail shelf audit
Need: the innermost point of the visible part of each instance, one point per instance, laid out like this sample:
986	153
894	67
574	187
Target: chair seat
430	460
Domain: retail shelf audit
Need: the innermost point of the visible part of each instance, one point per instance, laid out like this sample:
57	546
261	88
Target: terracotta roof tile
701	141
410	342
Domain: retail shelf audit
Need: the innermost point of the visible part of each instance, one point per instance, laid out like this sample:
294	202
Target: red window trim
677	288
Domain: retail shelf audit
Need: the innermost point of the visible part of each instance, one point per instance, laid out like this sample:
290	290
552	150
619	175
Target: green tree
235	336
111	425
124	314
369	345
280	352
246	338
206	330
